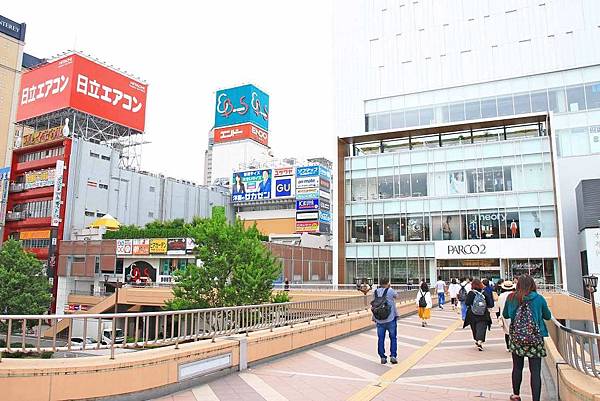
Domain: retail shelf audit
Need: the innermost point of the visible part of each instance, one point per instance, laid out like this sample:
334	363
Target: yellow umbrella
106	221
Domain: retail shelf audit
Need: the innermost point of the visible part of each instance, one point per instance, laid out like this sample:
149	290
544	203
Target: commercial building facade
423	66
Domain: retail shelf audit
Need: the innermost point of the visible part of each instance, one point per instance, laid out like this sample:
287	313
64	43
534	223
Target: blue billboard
308	171
307	204
240	105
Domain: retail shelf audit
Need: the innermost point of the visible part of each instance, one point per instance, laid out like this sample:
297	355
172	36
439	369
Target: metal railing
151	329
336	287
578	348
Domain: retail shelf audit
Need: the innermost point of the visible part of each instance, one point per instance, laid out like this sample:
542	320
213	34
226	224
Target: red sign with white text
239	132
77	82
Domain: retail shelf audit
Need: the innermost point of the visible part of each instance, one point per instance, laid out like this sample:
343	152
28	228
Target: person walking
424	303
507	288
465	288
527	311
478	317
453	289
440	286
385	314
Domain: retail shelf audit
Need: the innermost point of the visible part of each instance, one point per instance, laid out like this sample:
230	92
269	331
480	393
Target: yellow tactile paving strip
375	388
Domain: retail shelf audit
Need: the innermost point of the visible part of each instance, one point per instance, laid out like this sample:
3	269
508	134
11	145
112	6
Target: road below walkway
438	362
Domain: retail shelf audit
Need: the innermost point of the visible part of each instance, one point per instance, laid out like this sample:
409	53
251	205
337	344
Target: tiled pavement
450	368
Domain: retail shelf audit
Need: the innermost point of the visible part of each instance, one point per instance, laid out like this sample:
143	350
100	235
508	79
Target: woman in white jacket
424	303
507	287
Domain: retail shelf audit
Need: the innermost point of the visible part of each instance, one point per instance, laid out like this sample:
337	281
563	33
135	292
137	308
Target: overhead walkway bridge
306	350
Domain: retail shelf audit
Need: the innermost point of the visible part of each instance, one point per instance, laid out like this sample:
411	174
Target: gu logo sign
283	187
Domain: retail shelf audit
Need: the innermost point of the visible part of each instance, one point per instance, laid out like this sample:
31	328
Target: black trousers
535	371
479	329
507	341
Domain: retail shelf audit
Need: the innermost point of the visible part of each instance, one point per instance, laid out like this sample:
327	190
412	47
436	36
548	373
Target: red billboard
77	82
239	132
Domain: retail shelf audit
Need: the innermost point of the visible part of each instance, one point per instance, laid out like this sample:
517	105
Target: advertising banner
324	204
283	171
43	136
242	104
325	173
284	187
307	182
40	178
158	246
308	171
190	245
124	246
324	184
176	246
324	194
307	204
325	216
325	228
77	82
4	183
307	215
140	272
34	234
251	185
307	195
56	196
307	226
141	246
241	131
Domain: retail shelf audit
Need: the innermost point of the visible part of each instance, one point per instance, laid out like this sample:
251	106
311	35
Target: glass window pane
426	116
505	106
411	118
419	184
473	110
383	121
359	189
457	112
395	145
415	229
488	108
404	185
370	122
539	101
592	94
386	187
522	104
576	98
397	119
392	229
557	100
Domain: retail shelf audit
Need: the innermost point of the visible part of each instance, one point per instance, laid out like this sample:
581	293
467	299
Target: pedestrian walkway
436	362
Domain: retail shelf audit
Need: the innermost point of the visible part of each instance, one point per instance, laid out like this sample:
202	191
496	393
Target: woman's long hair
476	284
525	285
424	287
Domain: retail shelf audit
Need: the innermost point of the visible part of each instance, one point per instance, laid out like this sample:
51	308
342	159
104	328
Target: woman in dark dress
478	317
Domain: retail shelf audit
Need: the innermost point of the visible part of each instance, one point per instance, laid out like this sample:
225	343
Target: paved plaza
438	362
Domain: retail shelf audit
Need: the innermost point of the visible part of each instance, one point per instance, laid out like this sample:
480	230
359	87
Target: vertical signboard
56	197
4	183
284	182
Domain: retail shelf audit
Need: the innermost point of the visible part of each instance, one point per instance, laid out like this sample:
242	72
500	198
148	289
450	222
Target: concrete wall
97	185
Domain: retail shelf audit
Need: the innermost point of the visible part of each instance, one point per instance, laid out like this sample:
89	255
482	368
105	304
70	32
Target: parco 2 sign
474	249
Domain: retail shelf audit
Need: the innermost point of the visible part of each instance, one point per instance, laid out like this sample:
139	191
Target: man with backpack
465	288
384	312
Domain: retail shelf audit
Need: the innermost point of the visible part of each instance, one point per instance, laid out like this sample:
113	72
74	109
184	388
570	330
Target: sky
186	51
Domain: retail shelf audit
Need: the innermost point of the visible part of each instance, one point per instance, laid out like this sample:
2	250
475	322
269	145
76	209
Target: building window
97	265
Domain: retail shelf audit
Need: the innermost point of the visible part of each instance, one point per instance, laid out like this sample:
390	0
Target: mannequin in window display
514	228
498	182
446	229
473	229
457	183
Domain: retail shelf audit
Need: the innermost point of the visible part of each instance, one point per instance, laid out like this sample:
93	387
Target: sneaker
479	345
422	324
383	361
393	360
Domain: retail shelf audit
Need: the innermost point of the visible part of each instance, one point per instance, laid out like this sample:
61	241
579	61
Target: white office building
465	125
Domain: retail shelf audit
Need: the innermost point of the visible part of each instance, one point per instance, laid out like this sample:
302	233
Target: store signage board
513	248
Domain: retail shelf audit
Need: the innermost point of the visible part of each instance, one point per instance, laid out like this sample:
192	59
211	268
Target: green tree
237	268
24	289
